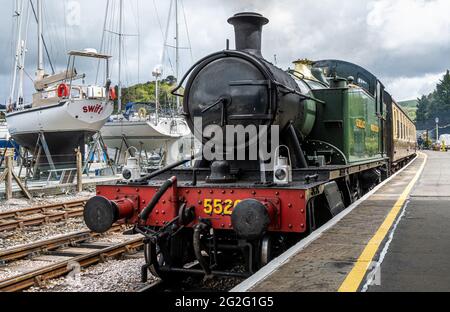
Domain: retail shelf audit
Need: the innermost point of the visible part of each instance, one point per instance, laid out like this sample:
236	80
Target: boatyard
243	160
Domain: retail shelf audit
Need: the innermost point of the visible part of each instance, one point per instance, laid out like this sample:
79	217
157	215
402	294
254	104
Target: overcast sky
406	43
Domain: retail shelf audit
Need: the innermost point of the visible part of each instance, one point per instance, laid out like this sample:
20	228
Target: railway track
75	251
50	245
154	287
12	220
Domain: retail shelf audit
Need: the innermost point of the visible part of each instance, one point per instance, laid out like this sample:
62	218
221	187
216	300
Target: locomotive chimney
248	31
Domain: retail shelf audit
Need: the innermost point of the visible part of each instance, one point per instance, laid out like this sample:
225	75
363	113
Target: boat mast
119	99
18	15
40	69
21	67
157	72
177	50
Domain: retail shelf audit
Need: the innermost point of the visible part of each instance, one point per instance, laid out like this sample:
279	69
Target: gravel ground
21	203
33	234
20	267
111	276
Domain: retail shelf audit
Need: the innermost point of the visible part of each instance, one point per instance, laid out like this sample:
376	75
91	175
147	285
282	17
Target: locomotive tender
337	130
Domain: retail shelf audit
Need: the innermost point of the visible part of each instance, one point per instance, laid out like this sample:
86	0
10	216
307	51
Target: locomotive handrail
292	91
217	54
209	107
180	84
167	168
293	72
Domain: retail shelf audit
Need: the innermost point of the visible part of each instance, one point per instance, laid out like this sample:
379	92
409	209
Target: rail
48	245
39	276
13	220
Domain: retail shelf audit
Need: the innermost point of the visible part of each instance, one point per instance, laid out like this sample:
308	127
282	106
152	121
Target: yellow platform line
356	275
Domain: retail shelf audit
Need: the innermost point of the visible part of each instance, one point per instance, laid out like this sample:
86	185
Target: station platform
397	238
418	258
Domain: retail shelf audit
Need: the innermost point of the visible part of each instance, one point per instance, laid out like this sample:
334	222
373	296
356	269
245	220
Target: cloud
408	88
405	42
406	25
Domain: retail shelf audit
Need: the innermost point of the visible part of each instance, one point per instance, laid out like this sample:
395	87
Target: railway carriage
403	137
334	146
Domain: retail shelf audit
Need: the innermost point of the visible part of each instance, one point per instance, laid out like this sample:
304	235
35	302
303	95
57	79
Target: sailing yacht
147	132
64	112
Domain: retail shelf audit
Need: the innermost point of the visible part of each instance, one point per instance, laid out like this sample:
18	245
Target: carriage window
362	82
379	97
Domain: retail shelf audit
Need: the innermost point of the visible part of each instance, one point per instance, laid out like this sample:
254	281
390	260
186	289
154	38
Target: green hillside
145	92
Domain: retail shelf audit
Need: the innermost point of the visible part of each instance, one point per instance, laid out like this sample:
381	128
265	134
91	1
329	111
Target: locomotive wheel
358	192
266	250
155	260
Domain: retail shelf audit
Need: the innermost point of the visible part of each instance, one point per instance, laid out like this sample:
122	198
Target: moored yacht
64	112
138	128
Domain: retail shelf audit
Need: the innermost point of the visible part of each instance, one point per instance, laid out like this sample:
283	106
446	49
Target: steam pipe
165	169
300	156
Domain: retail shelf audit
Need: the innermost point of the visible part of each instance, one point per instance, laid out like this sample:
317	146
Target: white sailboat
64	112
169	137
162	136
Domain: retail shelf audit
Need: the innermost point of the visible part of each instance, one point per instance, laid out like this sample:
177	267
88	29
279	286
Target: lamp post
437	129
157	73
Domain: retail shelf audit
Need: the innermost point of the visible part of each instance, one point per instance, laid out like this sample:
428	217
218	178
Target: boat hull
66	126
145	135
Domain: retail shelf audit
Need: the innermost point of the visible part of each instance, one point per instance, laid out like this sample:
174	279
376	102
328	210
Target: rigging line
46	25
163	57
127	73
57	39
43	40
187	31
20	93
159	20
115	28
28	75
139	40
65	24
109	38
102	40
49	24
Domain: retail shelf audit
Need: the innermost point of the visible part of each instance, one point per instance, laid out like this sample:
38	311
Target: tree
422	107
442	94
146	93
436	104
170	80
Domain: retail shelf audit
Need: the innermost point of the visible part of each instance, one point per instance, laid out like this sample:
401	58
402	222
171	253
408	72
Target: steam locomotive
337	140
